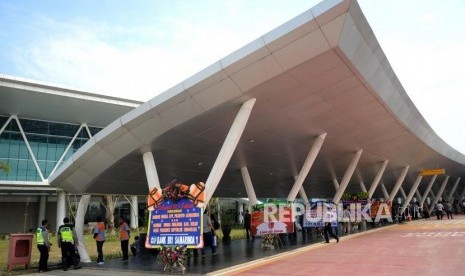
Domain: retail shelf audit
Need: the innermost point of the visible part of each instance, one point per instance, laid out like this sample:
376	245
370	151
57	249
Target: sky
138	49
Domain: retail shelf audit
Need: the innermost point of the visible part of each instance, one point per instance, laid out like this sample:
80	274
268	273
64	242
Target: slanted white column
432	195
228	148
151	170
240	212
336	184
418	195
398	184
348	174
314	150
441	190
462	195
79	224
134	213
412	191
377	179
362	187
42	206
249	187
402	192
61	208
452	191
428	189
385	192
303	195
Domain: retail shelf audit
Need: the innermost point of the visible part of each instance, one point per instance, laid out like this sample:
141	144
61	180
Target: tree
5	167
111	202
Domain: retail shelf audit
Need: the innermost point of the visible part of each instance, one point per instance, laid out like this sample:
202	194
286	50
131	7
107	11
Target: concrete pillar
314	150
462	195
42	209
336	184
240	212
79	225
348	174
303	195
412	191
228	148
398	183
249	187
452	191
362	187
151	171
61	208
385	192
432	195
134	212
418	195
402	193
441	190
377	179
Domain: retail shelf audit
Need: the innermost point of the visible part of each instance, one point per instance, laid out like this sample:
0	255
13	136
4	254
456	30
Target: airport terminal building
41	126
311	109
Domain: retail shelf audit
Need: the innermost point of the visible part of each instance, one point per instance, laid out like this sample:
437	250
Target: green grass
111	249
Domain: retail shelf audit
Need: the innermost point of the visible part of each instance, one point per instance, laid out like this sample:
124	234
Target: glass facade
48	142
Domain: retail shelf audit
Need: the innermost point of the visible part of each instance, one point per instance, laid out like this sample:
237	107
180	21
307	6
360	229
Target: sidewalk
422	247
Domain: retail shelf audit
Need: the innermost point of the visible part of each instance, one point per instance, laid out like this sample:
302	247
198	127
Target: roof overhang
321	72
44	101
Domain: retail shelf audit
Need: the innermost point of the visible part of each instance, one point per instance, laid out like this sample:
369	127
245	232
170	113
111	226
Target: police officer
43	244
67	239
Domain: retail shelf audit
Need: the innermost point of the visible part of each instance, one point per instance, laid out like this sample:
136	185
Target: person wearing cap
67	240
43	244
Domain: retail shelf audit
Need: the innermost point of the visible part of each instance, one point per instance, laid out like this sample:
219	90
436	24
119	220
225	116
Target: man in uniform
43	244
67	240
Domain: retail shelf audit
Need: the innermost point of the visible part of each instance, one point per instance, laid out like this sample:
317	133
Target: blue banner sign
172	224
320	212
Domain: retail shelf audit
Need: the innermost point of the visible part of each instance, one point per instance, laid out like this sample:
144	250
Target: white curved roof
321	72
45	101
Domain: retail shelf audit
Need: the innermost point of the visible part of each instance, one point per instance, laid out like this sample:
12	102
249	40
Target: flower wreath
173	257
176	191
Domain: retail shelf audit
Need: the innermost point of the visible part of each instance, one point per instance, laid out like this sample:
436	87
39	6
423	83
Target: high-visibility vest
40	237
66	234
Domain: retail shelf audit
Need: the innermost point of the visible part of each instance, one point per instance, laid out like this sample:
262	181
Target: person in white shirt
439	211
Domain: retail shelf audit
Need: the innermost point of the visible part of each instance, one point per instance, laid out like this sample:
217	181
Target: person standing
328	230
43	244
449	210
439	211
99	236
247	223
67	240
346	220
124	232
208	232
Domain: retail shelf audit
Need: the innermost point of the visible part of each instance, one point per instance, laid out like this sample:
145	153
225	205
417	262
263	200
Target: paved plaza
422	247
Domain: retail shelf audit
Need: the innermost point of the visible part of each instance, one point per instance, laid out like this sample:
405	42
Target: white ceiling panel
302	49
257	73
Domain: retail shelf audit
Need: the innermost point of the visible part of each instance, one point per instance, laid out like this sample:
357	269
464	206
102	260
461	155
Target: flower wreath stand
272	241
173	258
